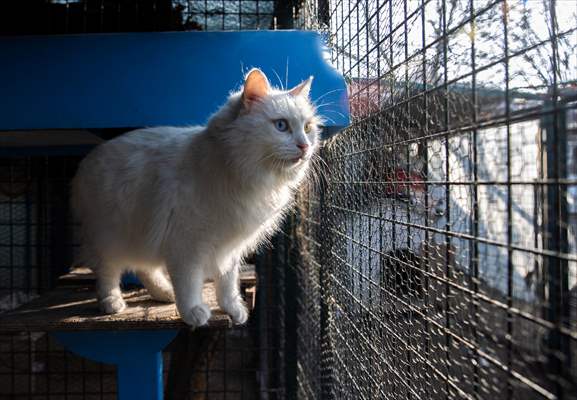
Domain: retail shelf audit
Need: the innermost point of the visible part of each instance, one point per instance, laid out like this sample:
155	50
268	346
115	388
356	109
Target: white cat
194	201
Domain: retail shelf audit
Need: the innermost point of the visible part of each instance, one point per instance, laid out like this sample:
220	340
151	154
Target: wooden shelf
72	306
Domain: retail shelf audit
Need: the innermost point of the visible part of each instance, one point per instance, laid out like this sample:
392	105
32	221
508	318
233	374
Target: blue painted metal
153	79
137	355
74	150
130	279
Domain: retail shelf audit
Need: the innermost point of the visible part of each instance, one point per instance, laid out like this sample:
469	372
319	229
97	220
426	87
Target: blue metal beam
153	79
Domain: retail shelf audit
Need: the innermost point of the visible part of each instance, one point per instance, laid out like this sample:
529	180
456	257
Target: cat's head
268	127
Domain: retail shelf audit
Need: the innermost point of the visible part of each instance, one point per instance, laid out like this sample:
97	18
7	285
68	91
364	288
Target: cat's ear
303	88
256	87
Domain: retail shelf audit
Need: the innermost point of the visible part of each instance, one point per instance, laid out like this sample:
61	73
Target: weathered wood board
73	306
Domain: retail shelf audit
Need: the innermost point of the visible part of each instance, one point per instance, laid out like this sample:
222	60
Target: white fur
192	202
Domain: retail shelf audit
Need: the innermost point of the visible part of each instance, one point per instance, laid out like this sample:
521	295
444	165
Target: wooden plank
76	308
77	276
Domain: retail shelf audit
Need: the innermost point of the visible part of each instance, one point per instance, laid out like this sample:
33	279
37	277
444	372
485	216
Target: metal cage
435	254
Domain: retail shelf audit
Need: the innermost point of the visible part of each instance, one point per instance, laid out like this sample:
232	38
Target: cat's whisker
317	176
323	104
286	73
266	157
325	111
328	119
317	103
327	93
321	167
319	158
279	80
334	112
317	173
320	106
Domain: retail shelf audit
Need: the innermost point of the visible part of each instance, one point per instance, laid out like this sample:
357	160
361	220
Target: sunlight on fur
180	205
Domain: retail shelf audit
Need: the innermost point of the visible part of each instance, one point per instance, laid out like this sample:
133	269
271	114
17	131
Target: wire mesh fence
437	259
38	242
38	238
434	255
94	16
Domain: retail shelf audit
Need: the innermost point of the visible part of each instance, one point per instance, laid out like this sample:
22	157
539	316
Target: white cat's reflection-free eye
281	125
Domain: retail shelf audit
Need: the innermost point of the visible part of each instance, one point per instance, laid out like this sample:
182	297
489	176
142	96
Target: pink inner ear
256	87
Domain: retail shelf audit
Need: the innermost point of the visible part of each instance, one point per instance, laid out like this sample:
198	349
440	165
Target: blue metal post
136	353
141	376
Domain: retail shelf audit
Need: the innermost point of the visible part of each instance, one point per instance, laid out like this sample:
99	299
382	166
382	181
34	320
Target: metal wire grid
228	14
438	259
36	245
93	16
37	238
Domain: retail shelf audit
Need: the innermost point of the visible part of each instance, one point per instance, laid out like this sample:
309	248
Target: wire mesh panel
93	16
38	239
438	254
37	244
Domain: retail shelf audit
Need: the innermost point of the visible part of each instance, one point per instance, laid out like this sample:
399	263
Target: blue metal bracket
136	353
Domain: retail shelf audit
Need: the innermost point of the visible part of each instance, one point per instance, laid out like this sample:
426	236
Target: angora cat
194	201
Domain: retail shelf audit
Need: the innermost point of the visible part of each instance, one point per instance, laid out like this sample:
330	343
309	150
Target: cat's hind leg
108	288
157	284
228	295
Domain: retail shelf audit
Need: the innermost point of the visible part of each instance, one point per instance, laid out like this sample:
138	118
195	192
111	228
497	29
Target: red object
401	183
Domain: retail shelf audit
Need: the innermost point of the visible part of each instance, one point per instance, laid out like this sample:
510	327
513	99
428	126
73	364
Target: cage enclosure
433	253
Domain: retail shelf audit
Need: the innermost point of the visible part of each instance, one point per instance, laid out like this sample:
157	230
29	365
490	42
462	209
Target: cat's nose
303	146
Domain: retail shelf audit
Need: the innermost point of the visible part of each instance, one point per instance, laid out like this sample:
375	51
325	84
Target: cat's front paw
197	316
112	304
237	311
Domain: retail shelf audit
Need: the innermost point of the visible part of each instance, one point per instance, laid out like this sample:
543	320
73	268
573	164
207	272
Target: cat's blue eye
281	125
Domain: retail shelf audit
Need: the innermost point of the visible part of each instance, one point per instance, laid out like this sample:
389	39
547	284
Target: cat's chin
295	163
289	167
